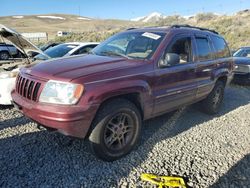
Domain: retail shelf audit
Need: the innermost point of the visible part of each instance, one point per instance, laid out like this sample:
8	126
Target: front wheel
212	103
116	130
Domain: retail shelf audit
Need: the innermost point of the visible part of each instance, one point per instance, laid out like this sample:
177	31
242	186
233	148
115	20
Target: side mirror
170	60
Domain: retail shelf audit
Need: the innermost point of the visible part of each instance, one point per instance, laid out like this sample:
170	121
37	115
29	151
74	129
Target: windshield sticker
151	35
70	46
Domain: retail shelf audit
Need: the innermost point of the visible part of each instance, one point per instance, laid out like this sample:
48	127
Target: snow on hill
52	17
156	16
83	18
188	16
153	17
137	19
17	17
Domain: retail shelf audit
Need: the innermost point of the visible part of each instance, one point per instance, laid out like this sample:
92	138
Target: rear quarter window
221	48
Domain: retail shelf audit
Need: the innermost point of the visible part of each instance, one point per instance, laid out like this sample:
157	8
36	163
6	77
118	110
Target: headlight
4	75
57	92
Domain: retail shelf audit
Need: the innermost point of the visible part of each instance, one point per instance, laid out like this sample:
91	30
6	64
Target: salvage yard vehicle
134	75
242	70
7	51
9	70
242	66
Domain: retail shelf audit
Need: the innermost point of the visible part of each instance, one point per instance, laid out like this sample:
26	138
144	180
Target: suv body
137	88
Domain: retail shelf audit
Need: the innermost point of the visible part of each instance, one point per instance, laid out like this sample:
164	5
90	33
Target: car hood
18	40
242	60
70	68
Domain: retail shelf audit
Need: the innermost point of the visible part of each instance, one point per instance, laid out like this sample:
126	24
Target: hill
235	28
53	23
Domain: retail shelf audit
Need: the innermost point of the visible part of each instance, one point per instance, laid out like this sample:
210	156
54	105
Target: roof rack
131	28
193	27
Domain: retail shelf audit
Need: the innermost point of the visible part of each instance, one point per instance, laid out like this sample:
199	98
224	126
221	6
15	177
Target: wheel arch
221	75
133	97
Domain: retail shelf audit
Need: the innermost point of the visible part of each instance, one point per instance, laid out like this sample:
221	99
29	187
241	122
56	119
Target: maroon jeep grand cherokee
133	76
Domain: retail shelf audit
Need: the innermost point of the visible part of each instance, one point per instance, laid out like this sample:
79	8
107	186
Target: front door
176	85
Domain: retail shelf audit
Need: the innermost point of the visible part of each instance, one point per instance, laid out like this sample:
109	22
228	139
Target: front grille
242	69
27	88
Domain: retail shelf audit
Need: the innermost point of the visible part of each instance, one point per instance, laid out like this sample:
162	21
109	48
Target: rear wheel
116	130
4	55
212	103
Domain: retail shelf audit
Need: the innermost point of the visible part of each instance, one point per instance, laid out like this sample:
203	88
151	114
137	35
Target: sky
120	9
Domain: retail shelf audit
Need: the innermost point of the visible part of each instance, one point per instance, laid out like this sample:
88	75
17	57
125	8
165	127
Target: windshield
56	51
132	45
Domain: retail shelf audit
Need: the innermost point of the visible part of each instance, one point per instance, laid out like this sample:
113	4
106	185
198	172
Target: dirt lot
208	150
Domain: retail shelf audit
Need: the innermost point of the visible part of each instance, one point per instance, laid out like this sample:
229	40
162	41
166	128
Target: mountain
52	23
156	17
153	17
234	27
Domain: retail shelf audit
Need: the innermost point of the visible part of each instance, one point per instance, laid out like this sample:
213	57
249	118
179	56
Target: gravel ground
207	150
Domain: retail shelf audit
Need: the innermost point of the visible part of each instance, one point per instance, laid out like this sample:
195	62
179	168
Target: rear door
206	63
175	85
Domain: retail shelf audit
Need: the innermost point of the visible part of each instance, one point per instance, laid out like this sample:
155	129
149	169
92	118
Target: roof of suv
165	29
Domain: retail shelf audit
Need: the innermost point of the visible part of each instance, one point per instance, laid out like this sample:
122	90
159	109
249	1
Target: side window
203	48
84	49
221	47
183	48
247	53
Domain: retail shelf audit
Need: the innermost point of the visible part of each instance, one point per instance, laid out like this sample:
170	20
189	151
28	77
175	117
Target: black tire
4	55
115	118
211	105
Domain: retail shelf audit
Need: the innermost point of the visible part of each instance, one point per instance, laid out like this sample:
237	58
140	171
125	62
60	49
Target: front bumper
69	120
7	85
243	78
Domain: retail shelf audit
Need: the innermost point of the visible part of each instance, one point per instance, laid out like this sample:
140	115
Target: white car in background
10	70
67	49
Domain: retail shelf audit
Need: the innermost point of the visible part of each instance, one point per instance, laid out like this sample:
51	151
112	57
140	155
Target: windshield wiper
112	53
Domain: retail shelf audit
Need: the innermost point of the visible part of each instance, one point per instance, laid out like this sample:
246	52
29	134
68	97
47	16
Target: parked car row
135	75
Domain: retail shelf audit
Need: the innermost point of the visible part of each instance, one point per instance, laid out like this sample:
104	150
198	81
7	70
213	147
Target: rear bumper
69	120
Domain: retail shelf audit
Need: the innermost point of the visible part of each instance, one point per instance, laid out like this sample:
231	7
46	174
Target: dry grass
70	24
